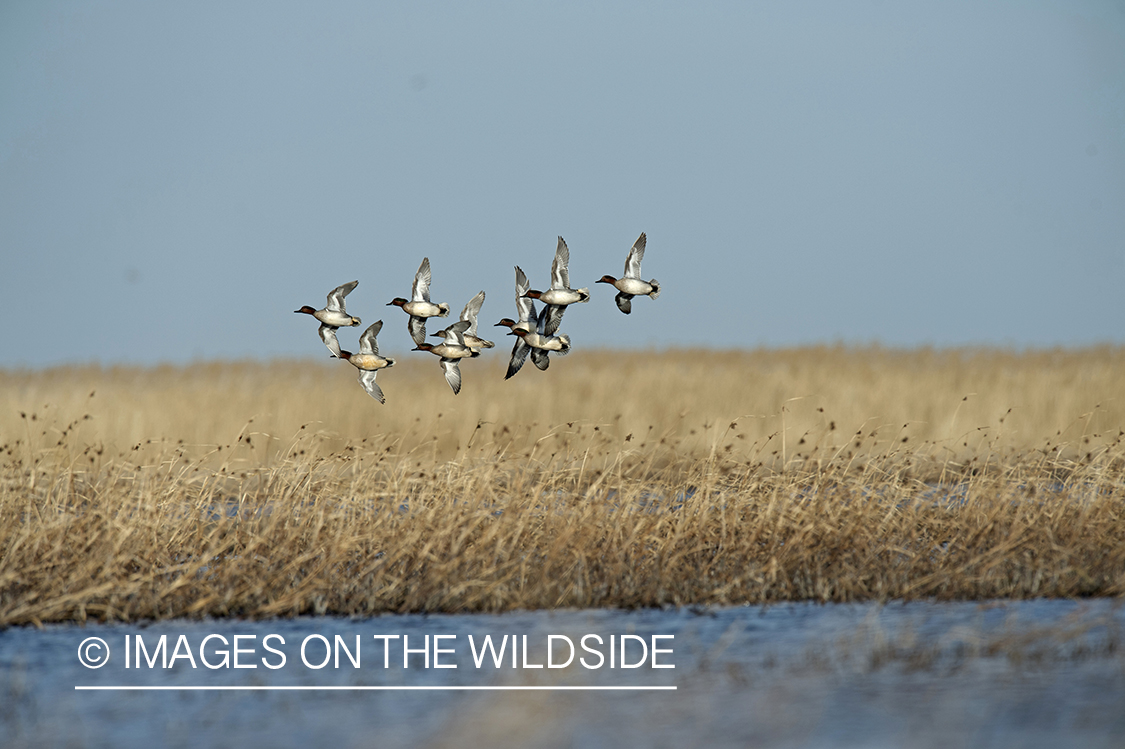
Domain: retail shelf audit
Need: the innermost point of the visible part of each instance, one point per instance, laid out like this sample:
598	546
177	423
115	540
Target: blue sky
177	178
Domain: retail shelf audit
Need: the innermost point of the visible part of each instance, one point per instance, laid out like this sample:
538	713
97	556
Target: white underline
367	689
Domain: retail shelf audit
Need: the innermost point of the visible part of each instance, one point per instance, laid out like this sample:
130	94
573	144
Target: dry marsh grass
637	479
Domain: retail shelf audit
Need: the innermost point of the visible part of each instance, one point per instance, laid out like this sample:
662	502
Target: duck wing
524	305
421	289
624	302
472	309
452	374
328	335
519	356
367	342
522	284
336	296
560	274
540	359
550	319
417	328
455	333
636	255
367	379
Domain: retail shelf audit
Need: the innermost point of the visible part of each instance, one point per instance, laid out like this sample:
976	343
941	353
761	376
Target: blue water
1031	674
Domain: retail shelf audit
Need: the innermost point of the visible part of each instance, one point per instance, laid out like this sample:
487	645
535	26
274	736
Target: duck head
397	302
306	310
507	322
606	279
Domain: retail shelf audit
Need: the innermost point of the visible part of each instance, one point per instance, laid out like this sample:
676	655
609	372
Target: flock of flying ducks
536	334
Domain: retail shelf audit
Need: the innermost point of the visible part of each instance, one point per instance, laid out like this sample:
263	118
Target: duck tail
565	339
444	310
390	362
585	294
655	289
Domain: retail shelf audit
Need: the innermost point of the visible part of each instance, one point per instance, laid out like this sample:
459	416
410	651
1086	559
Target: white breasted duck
368	361
560	294
451	351
333	316
631	285
469	314
420	307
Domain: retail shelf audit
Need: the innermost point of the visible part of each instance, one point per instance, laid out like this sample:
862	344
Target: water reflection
1032	673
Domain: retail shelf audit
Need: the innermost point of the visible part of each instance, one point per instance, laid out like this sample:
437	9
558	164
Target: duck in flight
451	351
560	295
469	314
419	307
333	316
631	284
368	361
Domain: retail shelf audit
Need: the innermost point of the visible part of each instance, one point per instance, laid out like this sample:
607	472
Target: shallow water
1031	673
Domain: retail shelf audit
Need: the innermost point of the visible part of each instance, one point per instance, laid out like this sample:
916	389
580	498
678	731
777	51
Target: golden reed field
613	479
